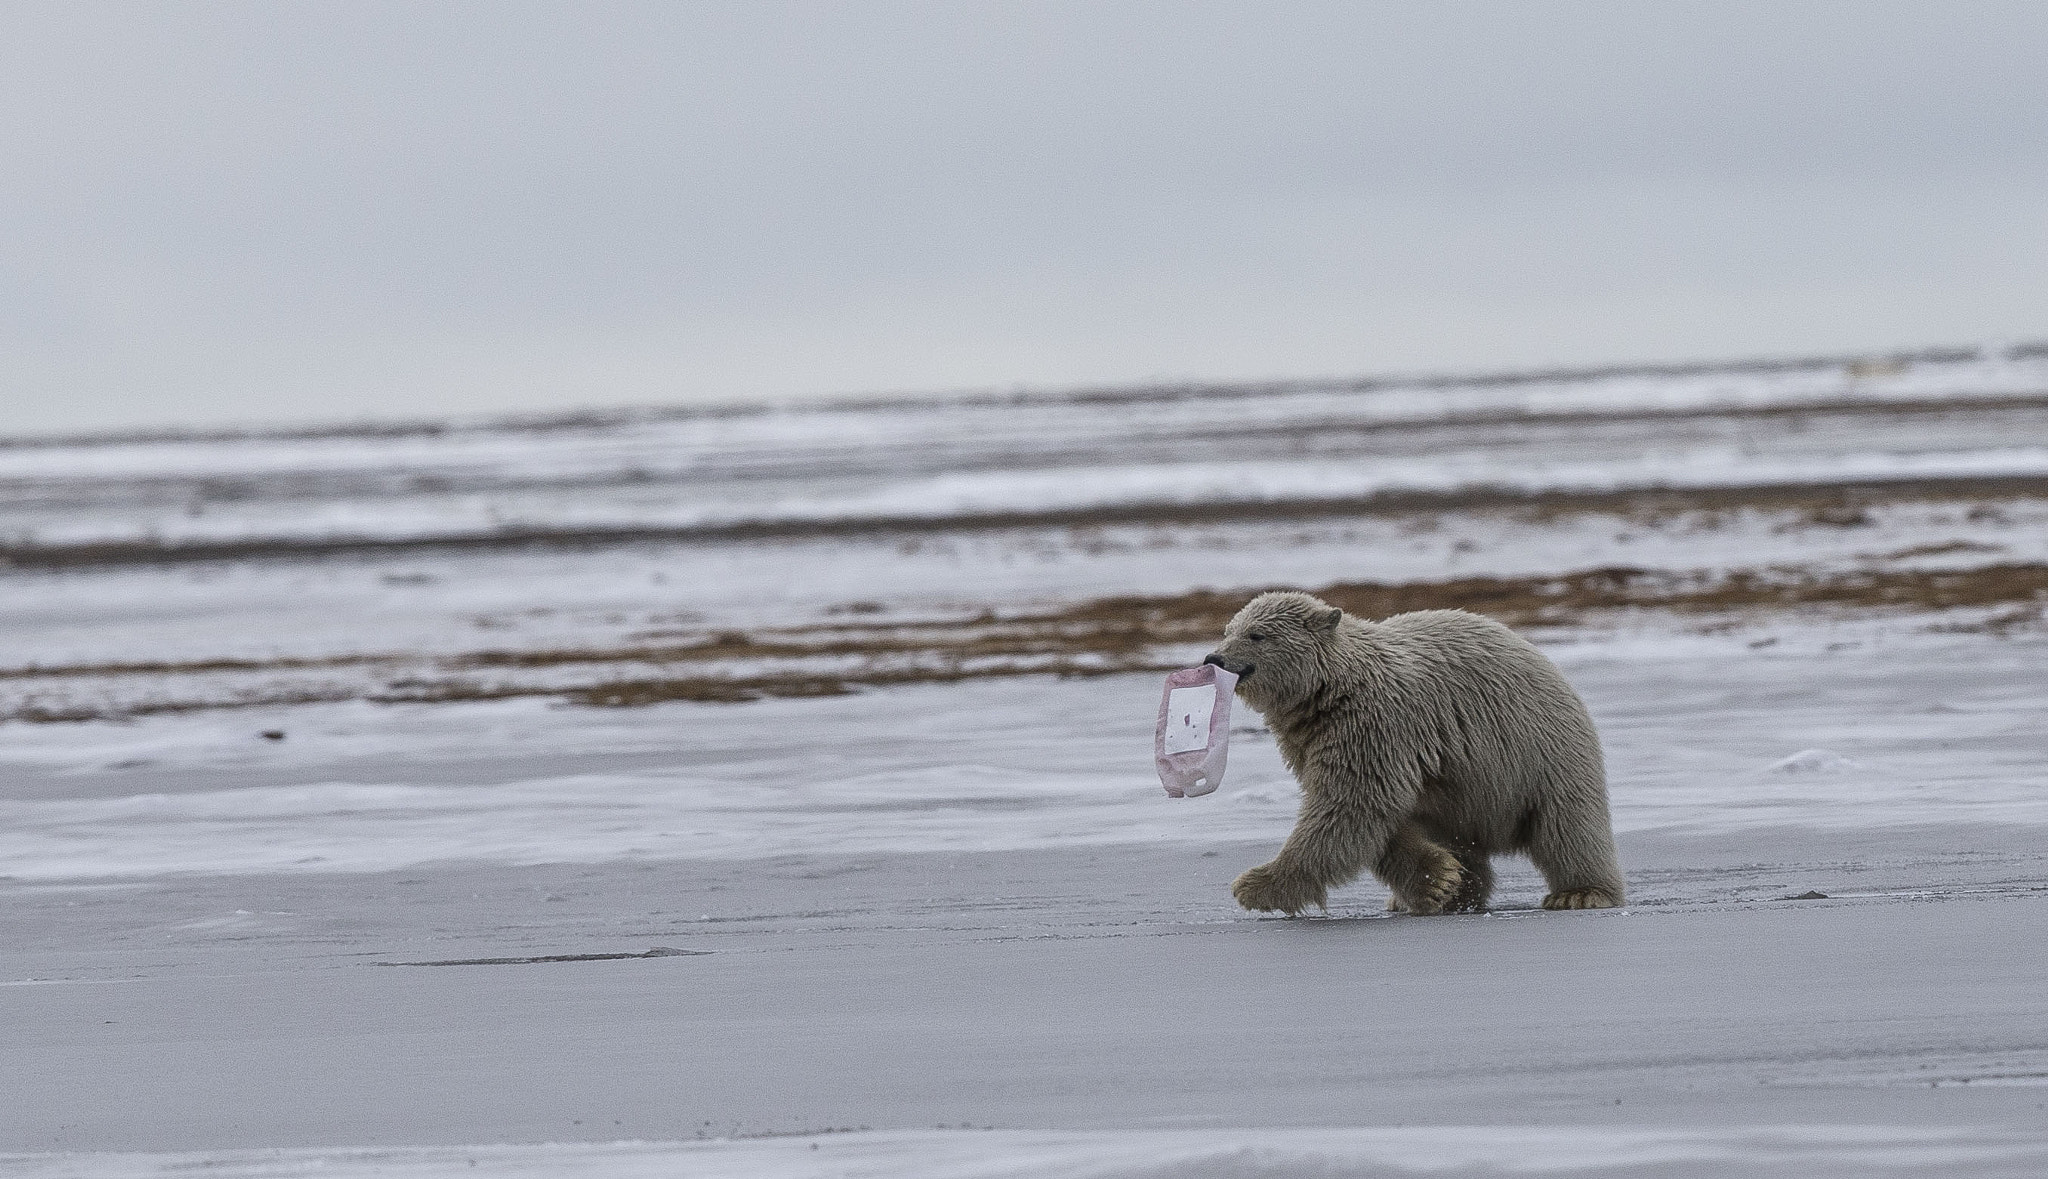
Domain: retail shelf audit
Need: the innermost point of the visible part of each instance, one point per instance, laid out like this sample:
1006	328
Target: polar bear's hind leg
1575	853
1425	878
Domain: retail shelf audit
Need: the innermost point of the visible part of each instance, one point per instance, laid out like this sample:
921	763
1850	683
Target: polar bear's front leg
1329	846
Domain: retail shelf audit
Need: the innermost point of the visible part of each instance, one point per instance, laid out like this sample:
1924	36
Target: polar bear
1424	745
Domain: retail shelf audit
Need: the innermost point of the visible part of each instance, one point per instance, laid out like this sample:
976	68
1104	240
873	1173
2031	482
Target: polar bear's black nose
1216	657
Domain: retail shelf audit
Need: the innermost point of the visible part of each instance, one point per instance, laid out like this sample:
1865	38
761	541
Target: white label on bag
1187	718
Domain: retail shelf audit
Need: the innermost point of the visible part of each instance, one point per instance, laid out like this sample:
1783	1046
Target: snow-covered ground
1846	726
956	928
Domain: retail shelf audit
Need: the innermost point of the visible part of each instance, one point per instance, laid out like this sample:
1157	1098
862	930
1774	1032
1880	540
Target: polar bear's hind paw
1441	882
1580	898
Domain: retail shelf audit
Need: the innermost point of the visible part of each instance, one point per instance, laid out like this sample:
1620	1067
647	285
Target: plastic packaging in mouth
1193	740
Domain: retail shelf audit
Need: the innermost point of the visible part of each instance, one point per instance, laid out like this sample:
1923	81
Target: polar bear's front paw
1580	898
1442	878
1268	889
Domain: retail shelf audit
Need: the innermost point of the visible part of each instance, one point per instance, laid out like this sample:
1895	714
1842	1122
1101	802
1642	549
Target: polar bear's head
1280	647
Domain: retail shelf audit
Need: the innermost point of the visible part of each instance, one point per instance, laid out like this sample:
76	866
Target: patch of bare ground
857	649
191	666
37	712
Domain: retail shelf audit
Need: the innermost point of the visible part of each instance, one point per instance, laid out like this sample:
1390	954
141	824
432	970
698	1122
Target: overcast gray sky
272	212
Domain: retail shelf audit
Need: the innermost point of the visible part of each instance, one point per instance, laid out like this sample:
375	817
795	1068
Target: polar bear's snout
1240	670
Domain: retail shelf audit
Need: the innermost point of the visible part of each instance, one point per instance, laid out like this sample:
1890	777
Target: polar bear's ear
1329	621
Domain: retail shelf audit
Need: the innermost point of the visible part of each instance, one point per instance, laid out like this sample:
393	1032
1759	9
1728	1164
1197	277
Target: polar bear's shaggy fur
1424	745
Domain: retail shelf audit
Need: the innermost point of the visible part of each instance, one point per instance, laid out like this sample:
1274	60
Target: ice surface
1712	1025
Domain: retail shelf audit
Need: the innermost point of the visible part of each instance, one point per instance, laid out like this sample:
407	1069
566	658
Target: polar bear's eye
1256	637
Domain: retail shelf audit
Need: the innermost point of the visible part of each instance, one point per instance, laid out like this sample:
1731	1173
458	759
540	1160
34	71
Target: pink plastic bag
1194	730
